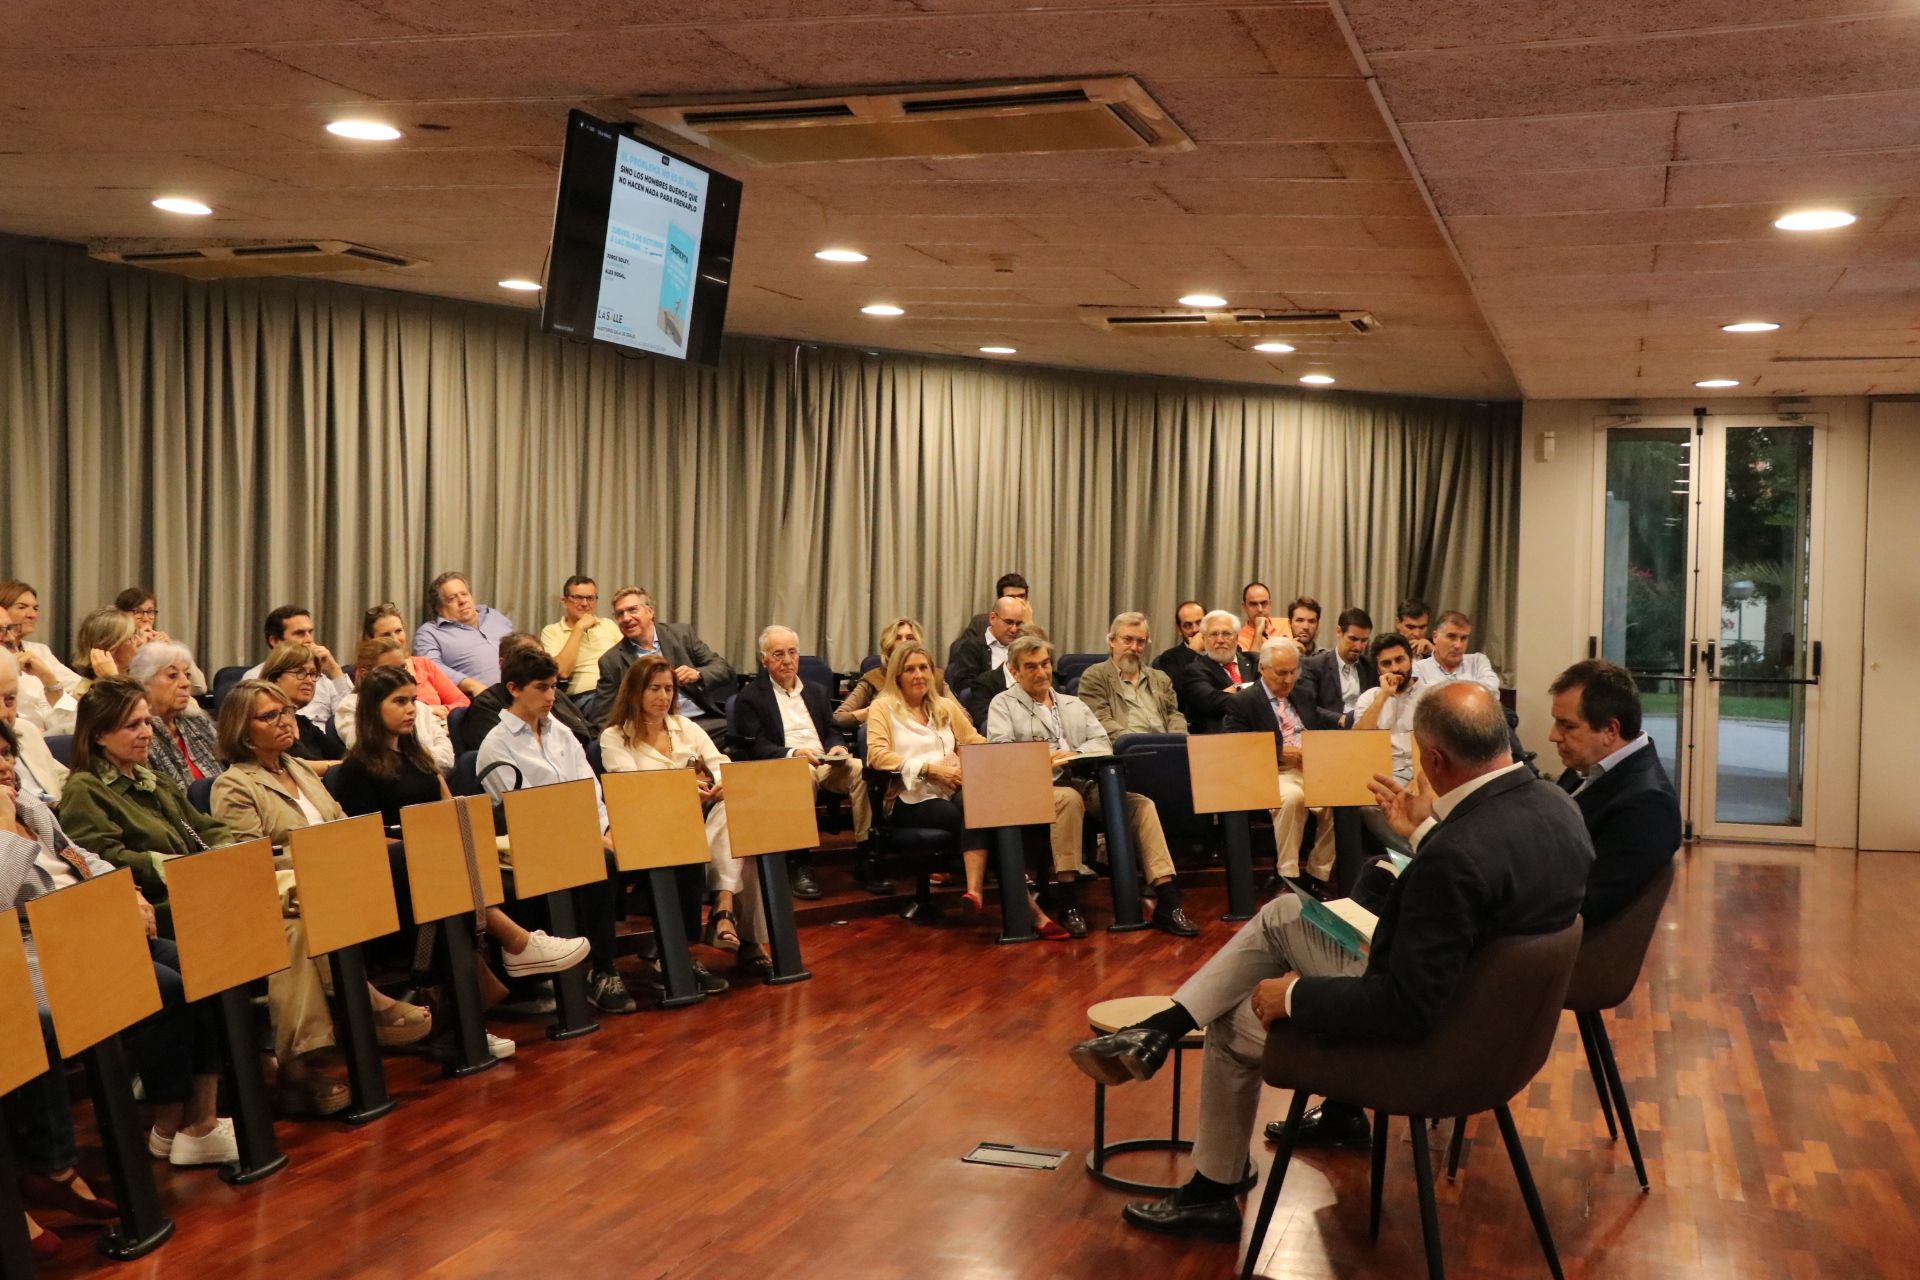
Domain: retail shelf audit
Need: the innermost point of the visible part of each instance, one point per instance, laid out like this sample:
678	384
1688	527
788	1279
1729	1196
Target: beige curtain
239	446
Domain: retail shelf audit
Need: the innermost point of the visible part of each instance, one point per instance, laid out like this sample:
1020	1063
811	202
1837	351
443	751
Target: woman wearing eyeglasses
294	669
143	607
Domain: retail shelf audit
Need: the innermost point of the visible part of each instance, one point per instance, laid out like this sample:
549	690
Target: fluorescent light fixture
363	130
521	286
1814	220
841	255
997	351
1317	379
882	309
181	204
1750	326
1272	348
1718	382
1203	300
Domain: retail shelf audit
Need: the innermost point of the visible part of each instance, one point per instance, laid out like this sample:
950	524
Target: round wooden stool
1109	1016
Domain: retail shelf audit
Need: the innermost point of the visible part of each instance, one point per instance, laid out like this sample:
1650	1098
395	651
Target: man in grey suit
1124	693
704	677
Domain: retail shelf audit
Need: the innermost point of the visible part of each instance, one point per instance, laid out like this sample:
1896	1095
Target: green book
1348	923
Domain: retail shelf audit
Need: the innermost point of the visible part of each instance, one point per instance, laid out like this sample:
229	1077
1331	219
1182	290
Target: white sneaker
500	1046
216	1147
158	1147
545	954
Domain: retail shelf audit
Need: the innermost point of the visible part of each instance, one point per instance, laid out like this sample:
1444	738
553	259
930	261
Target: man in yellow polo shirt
579	638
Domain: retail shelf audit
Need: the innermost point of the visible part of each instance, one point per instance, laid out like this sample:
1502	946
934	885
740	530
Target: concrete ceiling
1606	173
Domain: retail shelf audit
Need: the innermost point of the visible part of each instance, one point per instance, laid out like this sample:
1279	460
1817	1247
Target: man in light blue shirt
465	638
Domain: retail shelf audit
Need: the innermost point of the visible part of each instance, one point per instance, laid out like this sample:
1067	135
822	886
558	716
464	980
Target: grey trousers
1220	998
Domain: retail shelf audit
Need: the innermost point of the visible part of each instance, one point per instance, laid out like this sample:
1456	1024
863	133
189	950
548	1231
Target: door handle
1816	662
1593	646
1709	659
1693	658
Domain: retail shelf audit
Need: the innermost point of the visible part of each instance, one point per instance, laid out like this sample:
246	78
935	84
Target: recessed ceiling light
1317	379
1751	326
180	204
997	351
1814	220
521	286
363	130
1203	300
882	309
841	255
1272	348
1718	382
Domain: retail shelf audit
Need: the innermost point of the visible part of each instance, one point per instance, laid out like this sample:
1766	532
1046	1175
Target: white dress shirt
996	652
1290	723
1350	689
1473	666
1444	806
327	692
801	735
1396	718
555	755
1610	763
918	746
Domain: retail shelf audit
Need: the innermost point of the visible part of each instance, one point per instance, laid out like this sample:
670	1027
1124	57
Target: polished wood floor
817	1130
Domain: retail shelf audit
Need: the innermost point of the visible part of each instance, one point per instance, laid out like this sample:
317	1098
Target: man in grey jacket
1124	693
704	677
1034	711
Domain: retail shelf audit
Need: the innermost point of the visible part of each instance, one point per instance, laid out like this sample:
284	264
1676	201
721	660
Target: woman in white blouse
915	733
43	677
431	730
643	733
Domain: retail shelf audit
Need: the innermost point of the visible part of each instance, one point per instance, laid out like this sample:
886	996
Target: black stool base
1231	919
460	1070
1097	1158
366	1115
236	1176
119	1248
1117	927
557	1032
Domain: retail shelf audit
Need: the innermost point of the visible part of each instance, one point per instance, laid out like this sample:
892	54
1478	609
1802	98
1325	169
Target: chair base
1098	1157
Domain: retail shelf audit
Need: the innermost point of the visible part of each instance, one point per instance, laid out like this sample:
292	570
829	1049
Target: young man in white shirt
1391	706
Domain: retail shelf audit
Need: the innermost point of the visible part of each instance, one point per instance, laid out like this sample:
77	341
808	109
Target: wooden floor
817	1130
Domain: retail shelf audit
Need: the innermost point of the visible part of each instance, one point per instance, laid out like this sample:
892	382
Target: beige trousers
1290	823
847	778
1070	804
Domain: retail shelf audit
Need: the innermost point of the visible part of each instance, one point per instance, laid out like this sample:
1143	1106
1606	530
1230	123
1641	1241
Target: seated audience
489	704
464	637
293	624
1410	620
1345	666
1613	773
38	774
1256	602
852	712
1186	624
104	646
1450	660
542	752
1303	621
178	1047
184	748
1266	706
1008	585
1033	711
1391	705
915	733
114	804
580	638
143	607
295	670
977	671
1218	671
645	733
1124	693
1510	858
429	730
703	676
438	692
779	715
45	677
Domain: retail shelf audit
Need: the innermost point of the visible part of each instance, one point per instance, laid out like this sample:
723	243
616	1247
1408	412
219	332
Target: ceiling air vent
239	261
1113	113
1240	323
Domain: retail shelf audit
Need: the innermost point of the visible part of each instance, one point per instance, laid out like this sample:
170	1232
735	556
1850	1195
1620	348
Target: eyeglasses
271	717
152	612
593	599
306	673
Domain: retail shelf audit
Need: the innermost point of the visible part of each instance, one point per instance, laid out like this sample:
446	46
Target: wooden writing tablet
23	1052
226	917
437	862
655	818
1232	772
94	961
345	888
555	832
1006	784
1337	764
770	807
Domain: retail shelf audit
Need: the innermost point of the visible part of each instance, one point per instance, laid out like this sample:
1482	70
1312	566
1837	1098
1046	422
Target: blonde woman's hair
939	711
885	647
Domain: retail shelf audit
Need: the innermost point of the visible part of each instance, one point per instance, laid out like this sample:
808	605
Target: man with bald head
978	671
1498	853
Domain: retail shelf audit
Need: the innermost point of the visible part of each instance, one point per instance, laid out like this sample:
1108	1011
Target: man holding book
1499	853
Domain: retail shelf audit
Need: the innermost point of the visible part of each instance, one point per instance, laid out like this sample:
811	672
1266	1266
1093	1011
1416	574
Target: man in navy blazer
1204	684
1613	773
779	715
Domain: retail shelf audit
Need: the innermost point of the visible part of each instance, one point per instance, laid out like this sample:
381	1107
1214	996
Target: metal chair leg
1604	1044
1429	1209
1276	1174
1599	1073
1518	1155
1380	1119
1454	1145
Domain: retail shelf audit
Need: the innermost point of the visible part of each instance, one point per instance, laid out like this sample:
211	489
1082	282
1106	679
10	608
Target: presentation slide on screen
653	245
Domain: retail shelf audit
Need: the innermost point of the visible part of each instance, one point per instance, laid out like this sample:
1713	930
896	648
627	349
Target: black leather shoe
866	874
1323	1127
709	982
803	883
1318	889
1074	923
1175	922
1131	1053
1215	1220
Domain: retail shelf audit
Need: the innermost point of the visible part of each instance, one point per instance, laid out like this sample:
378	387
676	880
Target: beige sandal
401	1024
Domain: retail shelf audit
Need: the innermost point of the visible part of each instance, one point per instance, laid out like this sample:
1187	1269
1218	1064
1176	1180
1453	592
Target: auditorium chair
1072	665
60	747
869	662
1160	774
456	720
923	846
465	778
1487	1046
200	794
223	681
815	670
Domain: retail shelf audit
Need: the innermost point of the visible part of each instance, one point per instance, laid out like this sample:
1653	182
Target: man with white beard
1124	693
1221	669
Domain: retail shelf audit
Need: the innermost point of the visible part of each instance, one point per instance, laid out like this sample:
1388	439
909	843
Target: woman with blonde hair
104	646
43	677
853	710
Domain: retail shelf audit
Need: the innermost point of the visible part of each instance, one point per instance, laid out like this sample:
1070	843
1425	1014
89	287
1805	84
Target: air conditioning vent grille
238	261
1240	325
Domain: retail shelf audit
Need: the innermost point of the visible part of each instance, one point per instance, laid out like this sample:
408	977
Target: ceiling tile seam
1339	11
1655	37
